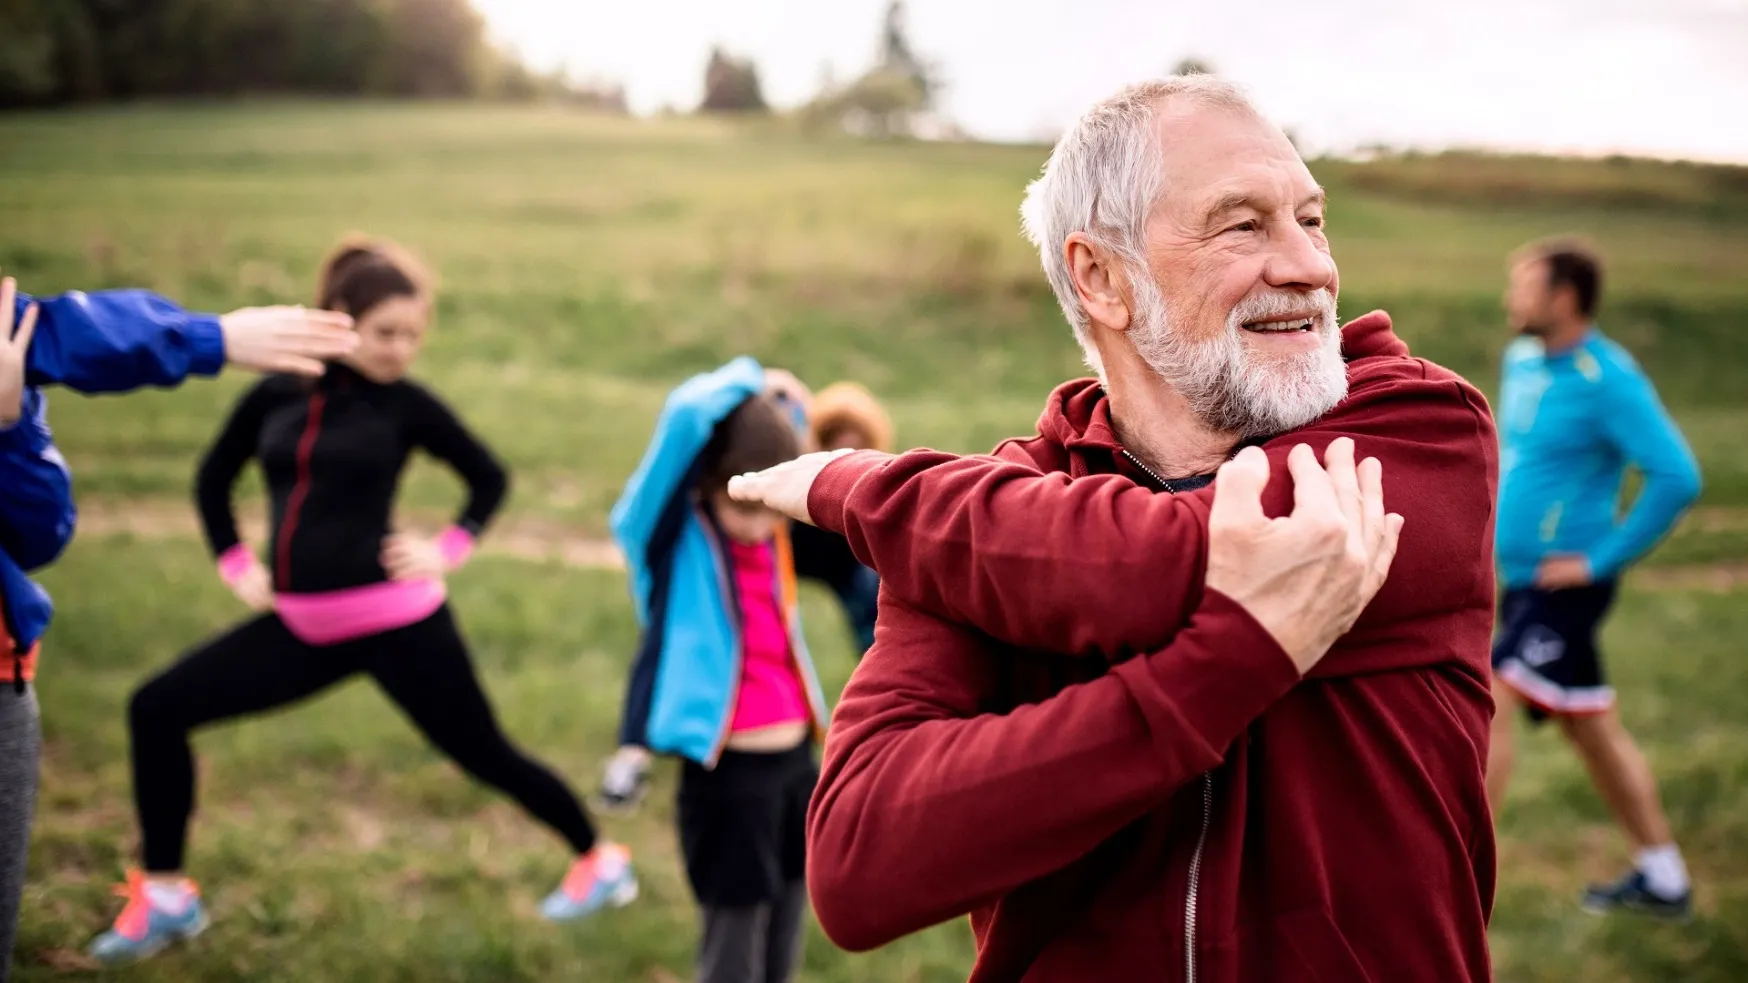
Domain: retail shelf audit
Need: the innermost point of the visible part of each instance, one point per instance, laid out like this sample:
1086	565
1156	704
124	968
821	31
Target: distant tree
1192	66
27	53
731	85
888	100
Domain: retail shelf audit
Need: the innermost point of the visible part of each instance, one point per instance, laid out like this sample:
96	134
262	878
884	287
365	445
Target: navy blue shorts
1546	648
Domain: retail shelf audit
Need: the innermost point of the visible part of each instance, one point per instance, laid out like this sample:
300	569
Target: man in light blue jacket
1575	411
106	342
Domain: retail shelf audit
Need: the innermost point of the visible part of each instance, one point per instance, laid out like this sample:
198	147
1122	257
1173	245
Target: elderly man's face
1238	314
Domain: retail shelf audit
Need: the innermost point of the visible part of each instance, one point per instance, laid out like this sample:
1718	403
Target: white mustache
1273	304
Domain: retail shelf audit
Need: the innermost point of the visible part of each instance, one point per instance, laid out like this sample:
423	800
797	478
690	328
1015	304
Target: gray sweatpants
758	943
20	749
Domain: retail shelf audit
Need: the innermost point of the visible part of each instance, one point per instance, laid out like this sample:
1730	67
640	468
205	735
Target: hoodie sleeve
116	340
36	493
929	806
1100	565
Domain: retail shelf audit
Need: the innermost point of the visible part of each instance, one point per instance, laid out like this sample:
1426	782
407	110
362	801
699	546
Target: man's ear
1100	281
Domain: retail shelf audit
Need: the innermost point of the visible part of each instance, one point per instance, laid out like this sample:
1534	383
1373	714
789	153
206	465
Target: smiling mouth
1287	326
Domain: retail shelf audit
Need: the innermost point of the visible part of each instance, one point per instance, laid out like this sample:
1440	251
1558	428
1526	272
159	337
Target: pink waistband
335	616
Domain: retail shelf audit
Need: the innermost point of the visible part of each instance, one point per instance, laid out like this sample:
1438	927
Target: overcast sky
1661	77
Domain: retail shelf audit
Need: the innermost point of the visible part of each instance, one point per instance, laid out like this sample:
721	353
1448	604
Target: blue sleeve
36	491
1642	431
687	420
117	340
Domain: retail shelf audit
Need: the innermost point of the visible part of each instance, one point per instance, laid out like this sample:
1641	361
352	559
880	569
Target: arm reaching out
114	341
1046	561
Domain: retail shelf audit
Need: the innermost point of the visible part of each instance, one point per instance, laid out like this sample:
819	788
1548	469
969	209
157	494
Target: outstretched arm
117	340
1102	565
114	341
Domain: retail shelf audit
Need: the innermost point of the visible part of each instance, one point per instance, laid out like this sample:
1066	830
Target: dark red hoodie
1119	775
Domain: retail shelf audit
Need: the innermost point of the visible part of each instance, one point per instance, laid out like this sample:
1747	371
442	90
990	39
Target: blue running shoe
144	929
601	878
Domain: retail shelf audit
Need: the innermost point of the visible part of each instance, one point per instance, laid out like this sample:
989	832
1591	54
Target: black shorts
1546	649
743	825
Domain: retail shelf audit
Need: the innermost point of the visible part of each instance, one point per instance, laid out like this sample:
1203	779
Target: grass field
587	265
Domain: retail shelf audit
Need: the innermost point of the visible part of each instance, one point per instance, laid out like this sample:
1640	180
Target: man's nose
1299	262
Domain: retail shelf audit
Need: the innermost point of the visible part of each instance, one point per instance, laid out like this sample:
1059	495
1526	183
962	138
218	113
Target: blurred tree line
58	51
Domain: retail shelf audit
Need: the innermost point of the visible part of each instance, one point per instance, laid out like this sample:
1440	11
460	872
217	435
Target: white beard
1230	389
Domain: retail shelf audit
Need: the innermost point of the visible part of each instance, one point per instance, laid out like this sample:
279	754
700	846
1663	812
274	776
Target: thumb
1238	488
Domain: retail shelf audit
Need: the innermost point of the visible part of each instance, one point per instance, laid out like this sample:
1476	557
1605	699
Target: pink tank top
770	686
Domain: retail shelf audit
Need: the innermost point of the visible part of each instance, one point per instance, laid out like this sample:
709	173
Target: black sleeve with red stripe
437	429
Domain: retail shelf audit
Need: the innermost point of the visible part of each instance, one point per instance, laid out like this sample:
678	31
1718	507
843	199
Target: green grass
331	841
588	264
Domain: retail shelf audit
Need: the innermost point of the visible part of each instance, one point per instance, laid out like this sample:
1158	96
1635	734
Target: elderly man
1070	726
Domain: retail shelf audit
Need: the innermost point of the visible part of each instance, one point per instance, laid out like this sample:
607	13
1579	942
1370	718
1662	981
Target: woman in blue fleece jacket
106	342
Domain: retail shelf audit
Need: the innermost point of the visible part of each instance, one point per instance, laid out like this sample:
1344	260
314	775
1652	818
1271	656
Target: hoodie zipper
306	445
1192	898
1161	482
1192	892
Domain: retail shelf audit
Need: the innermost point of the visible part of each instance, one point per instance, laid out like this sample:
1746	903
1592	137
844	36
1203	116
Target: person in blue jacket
107	342
722	678
1575	412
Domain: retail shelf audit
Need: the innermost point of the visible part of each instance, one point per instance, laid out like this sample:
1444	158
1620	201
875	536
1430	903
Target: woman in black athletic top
340	594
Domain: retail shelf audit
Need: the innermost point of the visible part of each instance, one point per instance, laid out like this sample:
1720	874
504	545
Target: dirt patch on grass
1715	578
536	540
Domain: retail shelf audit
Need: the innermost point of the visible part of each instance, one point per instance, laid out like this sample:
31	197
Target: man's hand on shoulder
1304	577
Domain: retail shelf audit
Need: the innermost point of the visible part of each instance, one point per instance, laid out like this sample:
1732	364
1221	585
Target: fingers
1238	489
8	299
749	488
324	342
288	315
296	365
1386	554
1338	463
325	320
1371	478
1313	492
26	328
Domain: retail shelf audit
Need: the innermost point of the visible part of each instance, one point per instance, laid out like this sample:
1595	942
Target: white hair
1103	179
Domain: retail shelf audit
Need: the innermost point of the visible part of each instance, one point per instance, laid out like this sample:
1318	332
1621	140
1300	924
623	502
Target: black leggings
260	665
